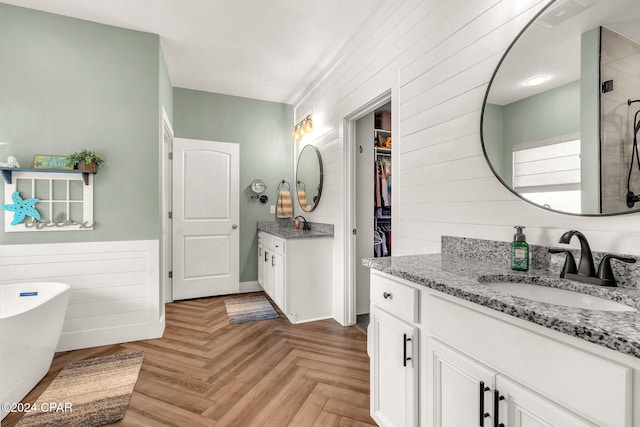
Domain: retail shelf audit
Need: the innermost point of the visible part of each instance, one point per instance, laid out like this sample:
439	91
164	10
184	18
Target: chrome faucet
305	224
586	271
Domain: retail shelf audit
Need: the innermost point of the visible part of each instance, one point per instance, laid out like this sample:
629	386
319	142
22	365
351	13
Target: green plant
85	156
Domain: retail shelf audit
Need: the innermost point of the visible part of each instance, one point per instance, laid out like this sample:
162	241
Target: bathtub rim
60	288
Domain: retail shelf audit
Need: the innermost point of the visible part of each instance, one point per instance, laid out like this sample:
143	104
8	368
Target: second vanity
448	350
294	268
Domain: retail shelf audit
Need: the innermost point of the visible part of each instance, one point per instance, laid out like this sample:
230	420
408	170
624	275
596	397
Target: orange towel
302	199
284	208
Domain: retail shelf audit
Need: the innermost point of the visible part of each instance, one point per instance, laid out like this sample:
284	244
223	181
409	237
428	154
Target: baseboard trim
116	335
252	286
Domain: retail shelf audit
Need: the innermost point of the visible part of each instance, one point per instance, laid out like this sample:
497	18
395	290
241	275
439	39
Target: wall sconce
303	128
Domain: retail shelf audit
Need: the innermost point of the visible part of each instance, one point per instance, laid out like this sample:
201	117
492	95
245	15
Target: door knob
234	226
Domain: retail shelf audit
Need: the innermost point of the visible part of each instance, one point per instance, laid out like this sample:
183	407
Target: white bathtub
30	327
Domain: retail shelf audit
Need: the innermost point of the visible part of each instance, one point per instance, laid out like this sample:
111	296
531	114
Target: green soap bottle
519	250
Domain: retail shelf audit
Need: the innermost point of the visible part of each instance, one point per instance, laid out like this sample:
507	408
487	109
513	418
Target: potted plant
85	160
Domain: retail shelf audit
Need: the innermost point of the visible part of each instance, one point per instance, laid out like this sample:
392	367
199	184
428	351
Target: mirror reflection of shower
631	197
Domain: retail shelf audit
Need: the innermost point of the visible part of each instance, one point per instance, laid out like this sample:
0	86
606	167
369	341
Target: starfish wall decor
22	208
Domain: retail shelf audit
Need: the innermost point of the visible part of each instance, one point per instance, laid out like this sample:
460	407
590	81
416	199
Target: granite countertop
619	331
298	234
286	230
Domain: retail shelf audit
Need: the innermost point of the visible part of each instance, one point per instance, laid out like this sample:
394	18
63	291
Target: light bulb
308	126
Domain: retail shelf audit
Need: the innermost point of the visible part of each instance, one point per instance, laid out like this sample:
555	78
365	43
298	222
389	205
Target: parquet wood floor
206	372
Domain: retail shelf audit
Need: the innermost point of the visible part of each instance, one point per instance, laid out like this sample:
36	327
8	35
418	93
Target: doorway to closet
372	153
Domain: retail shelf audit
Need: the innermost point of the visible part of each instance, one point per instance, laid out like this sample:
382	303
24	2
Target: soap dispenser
519	250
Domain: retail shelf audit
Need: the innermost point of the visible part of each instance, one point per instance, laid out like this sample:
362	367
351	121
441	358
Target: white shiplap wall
437	57
115	293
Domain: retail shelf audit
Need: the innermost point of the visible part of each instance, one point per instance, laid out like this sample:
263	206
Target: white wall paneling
440	54
115	290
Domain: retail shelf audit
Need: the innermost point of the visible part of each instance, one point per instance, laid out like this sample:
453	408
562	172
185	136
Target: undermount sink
557	296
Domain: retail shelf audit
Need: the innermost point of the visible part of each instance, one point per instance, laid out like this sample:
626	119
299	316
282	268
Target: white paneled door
205	218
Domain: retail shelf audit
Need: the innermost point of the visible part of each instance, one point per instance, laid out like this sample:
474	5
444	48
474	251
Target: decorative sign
45	161
59	222
22	208
64	201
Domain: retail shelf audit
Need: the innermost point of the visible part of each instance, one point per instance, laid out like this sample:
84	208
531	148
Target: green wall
546	115
266	151
68	84
492	128
166	89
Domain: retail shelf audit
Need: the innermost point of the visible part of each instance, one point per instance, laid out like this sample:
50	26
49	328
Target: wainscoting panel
115	287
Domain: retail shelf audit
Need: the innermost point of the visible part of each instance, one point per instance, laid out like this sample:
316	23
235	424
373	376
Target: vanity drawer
278	245
395	297
267	240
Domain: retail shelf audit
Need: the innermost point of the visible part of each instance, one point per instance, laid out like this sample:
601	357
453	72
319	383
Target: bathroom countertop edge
619	331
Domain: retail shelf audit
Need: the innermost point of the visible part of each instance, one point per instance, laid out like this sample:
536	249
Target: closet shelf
7	173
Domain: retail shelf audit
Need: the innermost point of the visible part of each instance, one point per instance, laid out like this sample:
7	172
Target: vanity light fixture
536	81
303	128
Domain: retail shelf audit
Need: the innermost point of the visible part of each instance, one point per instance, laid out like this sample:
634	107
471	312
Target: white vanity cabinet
394	354
464	392
271	266
261	257
460	388
480	367
572	385
297	275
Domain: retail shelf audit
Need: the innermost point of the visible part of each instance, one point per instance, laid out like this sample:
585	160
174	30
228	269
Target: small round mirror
309	178
258	186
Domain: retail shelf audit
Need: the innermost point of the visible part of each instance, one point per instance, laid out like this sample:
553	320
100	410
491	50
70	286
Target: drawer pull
483	414
496	408
387	295
404	357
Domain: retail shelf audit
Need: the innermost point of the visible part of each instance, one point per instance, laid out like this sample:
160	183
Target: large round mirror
557	127
309	178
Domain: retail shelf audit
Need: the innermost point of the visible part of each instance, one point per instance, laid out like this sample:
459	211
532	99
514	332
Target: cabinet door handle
386	295
273	260
265	256
496	409
404	353
483	415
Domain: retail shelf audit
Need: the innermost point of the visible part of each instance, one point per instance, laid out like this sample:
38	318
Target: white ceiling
263	49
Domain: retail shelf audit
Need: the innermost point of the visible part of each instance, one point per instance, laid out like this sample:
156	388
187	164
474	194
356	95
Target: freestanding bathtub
31	317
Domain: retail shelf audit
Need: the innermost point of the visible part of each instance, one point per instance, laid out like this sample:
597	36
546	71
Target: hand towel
284	208
302	198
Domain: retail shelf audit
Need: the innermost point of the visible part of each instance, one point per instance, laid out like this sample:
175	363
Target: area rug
249	309
87	393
